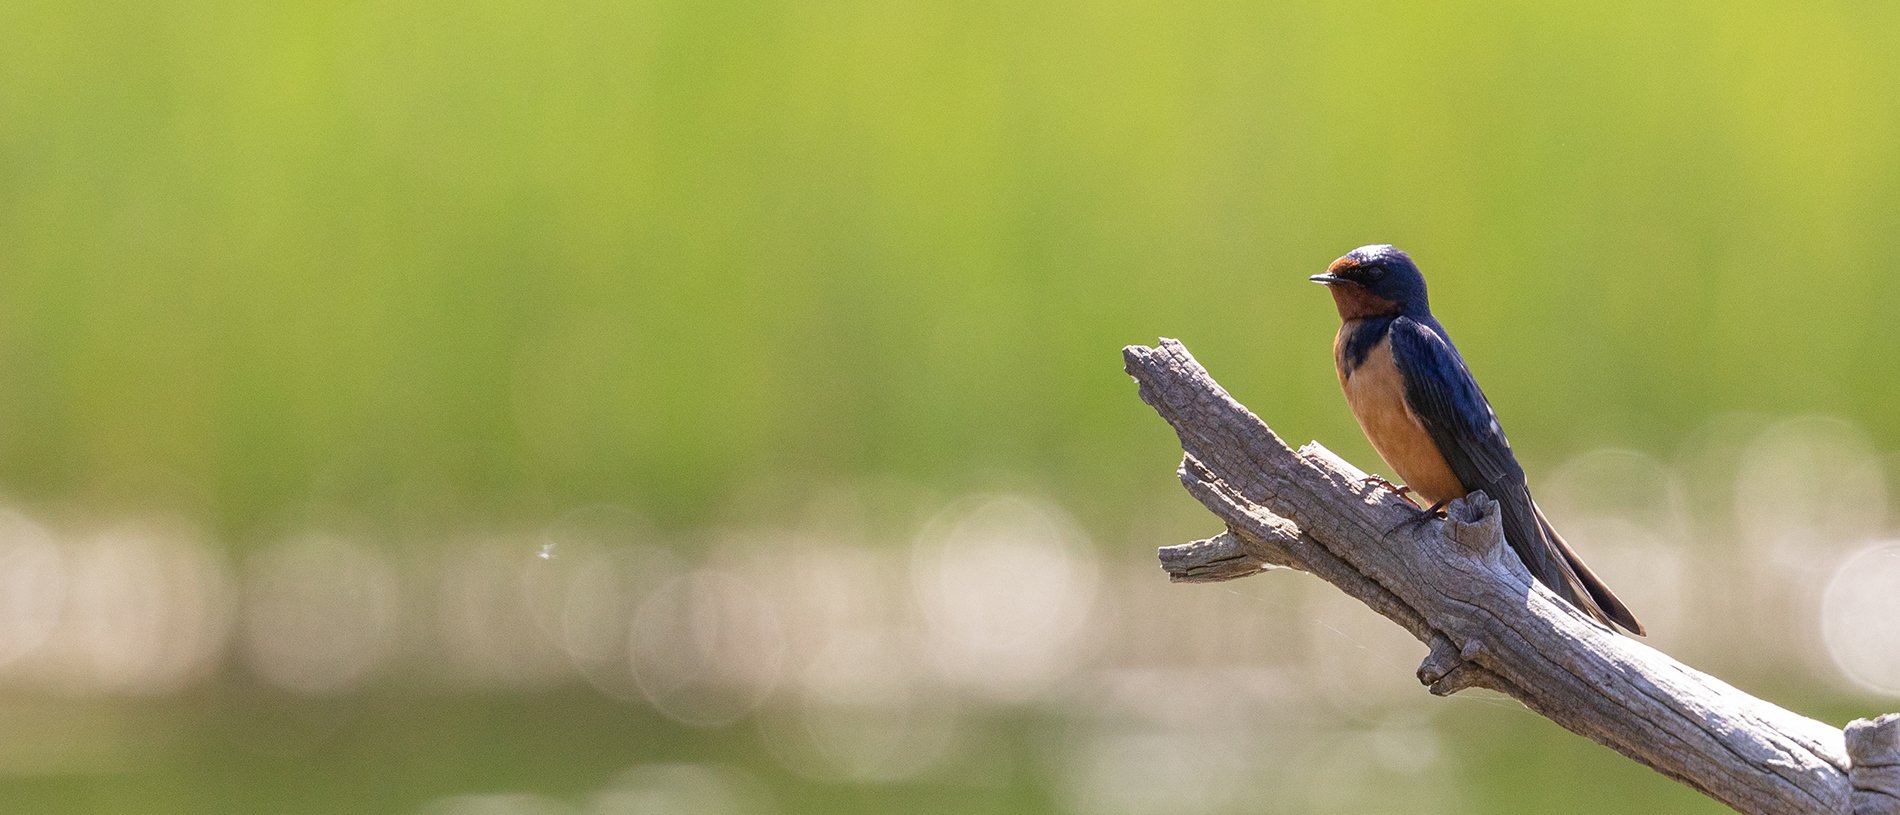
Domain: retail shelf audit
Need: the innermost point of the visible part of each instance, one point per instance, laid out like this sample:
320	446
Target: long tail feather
1556	565
1605	600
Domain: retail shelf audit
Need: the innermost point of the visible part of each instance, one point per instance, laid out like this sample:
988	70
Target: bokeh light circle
1860	617
319	614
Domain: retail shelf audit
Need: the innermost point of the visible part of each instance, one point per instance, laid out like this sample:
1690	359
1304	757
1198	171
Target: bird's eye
1375	273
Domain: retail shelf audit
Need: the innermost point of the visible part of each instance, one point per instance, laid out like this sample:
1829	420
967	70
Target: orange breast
1377	396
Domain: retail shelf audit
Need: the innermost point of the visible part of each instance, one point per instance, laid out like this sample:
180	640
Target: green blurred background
401	319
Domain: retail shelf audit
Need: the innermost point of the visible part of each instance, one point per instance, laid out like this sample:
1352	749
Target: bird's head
1375	281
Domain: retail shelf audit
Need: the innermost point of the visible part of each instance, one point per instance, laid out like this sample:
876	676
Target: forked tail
1608	607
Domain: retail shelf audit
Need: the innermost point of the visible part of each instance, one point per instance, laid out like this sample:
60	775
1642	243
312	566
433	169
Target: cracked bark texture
1458	589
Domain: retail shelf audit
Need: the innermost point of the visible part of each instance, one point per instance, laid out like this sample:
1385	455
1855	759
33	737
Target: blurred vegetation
657	252
491	260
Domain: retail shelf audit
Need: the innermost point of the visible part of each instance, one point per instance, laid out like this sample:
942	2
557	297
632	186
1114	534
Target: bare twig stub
1457	587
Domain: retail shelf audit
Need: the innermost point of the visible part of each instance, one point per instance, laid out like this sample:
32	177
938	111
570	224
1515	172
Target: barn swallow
1421	409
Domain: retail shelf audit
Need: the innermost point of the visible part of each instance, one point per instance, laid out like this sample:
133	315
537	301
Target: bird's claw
1432	513
1404	493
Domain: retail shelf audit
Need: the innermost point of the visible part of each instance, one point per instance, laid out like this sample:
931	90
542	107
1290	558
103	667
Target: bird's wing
1446	399
1440	391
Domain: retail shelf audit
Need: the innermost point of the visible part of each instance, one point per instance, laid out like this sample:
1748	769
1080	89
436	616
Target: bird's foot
1434	512
1402	492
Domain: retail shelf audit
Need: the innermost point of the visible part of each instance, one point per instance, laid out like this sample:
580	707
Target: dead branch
1457	587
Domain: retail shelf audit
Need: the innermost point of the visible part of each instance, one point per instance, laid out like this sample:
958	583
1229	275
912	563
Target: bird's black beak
1327	279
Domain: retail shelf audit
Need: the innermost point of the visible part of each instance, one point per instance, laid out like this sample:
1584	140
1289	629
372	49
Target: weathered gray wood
1225	556
1456	587
1874	748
